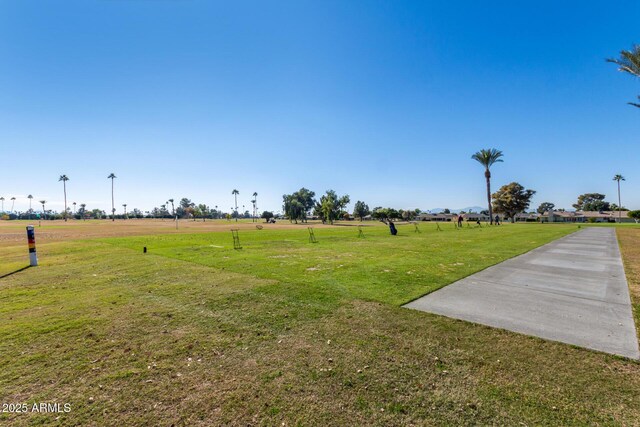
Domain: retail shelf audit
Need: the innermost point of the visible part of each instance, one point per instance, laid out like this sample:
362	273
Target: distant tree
545	207
44	211
235	195
331	205
13	202
407	215
64	179
446	211
185	208
393	213
296	206
635	215
592	202
292	208
2	201
629	62
512	199
112	176
204	211
74	208
619	178
615	207
173	209
30	197
124	205
360	210
488	158
379	213
255	205
82	211
267	215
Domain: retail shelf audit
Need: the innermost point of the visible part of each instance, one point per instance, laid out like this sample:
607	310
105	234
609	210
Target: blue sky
385	101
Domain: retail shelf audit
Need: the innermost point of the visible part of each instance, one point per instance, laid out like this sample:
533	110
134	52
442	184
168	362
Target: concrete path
572	290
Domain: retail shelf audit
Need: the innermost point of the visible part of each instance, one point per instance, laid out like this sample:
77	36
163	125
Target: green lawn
285	331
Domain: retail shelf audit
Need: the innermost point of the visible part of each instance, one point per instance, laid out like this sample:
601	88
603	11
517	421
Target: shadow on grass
14	272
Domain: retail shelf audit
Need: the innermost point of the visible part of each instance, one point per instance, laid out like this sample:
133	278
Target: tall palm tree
619	178
44	211
124	205
74	207
2	201
255	204
235	194
173	210
112	176
629	62
64	179
13	203
30	210
83	208
487	157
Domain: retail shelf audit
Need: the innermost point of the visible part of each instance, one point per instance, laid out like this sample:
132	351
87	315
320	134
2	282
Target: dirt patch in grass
13	232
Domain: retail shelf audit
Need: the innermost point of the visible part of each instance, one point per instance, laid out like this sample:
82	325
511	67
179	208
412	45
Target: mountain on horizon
476	209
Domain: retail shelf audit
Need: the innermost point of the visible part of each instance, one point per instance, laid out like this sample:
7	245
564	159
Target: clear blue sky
385	101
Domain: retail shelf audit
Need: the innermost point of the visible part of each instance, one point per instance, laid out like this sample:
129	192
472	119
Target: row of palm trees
254	202
13	202
486	157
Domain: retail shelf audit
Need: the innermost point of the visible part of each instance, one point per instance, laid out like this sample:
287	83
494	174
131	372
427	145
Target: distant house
527	217
435	217
584	216
474	217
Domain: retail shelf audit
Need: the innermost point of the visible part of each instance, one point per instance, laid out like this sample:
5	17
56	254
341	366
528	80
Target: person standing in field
459	220
497	220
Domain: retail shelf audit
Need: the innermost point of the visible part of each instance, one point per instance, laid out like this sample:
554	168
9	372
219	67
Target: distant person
497	220
459	221
392	228
478	222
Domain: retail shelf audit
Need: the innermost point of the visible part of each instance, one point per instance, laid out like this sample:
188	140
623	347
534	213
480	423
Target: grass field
284	331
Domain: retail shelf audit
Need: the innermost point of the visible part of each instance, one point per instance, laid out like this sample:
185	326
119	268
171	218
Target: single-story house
585	216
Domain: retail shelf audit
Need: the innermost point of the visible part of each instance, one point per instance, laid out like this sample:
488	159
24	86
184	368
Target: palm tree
619	178
44	212
173	210
64	179
13	202
2	201
629	62
235	194
125	210
74	207
112	176
30	210
487	158
83	208
255	204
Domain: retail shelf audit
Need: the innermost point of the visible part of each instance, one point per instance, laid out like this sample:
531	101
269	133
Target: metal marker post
31	237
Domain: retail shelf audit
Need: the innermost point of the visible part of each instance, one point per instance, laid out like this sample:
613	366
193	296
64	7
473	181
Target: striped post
31	237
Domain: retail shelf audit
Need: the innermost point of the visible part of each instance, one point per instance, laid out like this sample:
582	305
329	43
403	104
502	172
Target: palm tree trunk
487	175
619	205
113	210
64	185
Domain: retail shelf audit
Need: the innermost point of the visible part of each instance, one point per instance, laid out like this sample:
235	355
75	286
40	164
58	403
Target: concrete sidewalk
571	290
